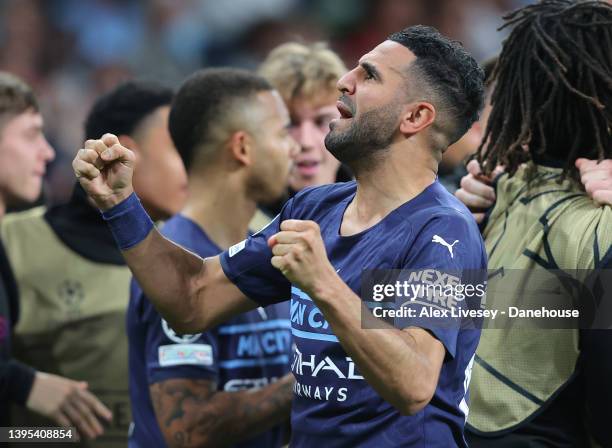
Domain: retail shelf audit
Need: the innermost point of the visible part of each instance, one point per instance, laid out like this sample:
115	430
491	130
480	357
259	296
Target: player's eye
370	73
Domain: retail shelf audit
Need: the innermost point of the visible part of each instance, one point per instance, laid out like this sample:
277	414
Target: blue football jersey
333	405
249	351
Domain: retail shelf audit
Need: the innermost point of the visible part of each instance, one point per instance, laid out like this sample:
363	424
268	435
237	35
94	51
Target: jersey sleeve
449	259
247	264
169	355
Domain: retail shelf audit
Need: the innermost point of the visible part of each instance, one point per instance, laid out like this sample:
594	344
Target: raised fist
104	169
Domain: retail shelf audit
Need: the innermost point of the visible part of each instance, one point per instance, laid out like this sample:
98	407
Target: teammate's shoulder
17	223
173	225
190	235
26	215
585	229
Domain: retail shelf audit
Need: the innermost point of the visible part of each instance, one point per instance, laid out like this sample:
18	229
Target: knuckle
308	238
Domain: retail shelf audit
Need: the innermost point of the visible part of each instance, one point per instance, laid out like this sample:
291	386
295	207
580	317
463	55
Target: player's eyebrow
371	70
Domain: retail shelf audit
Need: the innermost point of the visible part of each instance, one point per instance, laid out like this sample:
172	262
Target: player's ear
241	147
130	143
416	117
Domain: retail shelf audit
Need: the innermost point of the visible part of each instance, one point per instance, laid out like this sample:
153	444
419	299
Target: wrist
326	287
109	202
128	222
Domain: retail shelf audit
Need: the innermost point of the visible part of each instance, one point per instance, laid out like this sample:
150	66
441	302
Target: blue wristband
128	222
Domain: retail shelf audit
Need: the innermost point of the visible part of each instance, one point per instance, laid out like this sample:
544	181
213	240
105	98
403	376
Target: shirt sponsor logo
309	365
178	338
185	354
305	367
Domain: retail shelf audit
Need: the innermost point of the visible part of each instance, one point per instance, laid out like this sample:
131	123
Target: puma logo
438	239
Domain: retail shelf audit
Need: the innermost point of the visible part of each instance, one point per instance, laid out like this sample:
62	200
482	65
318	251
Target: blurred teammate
73	282
306	77
406	101
548	387
24	153
229	385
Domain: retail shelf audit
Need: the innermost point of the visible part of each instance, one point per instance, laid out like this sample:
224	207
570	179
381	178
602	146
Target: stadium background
71	51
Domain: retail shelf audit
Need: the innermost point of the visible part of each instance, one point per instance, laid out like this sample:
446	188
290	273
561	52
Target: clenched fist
596	176
104	169
299	253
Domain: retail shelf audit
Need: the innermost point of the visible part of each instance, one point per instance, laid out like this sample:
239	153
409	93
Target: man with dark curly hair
551	109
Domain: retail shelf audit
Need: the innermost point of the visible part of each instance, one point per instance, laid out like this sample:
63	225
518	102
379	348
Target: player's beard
367	137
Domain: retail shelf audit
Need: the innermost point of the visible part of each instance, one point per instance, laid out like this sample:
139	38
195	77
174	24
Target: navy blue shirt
249	351
333	405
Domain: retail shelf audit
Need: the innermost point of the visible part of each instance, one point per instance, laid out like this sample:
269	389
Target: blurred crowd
71	51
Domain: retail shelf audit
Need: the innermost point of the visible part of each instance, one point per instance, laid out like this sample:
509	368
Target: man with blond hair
306	76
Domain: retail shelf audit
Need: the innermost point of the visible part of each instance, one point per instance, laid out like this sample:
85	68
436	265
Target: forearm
391	360
168	276
190	417
184	288
244	414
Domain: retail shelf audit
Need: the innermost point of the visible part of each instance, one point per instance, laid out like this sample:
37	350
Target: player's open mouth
345	111
307	167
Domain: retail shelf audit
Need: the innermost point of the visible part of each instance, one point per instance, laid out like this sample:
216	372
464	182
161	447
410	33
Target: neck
404	173
218	202
2	208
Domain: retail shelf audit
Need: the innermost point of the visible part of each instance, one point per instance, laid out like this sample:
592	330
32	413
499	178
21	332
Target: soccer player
24	153
550	110
230	385
406	101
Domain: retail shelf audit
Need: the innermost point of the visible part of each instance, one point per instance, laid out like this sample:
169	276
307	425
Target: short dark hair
204	103
123	109
552	87
16	96
449	72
